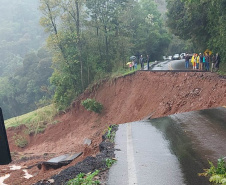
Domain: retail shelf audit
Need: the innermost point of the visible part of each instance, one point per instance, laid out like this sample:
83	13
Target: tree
201	21
89	39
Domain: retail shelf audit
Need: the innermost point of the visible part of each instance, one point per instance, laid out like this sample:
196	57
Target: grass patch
35	120
82	179
110	162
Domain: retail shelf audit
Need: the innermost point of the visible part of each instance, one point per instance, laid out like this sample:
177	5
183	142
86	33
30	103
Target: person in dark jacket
141	62
213	63
207	58
217	61
148	61
187	61
201	61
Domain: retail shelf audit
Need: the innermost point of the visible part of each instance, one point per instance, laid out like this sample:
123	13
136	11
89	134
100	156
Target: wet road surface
170	150
171	65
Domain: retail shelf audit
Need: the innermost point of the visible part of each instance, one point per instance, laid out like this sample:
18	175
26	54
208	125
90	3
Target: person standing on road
213	63
193	61
141	62
217	64
187	61
130	66
197	61
148	61
135	63
200	61
207	58
204	61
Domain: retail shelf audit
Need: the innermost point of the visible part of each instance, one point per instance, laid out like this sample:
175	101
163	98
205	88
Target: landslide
140	95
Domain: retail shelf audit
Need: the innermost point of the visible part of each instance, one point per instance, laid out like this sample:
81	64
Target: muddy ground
134	97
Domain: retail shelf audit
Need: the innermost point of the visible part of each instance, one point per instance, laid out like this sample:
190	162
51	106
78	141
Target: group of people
203	61
141	61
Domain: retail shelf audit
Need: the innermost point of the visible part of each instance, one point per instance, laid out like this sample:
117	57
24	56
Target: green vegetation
91	40
35	120
124	71
202	22
85	50
110	162
111	134
25	67
29	88
82	179
216	174
92	105
20	33
20	141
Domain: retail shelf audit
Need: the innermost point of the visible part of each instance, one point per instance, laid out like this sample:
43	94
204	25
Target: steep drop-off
134	97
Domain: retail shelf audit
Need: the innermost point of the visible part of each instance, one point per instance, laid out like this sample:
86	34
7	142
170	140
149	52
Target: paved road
171	65
170	150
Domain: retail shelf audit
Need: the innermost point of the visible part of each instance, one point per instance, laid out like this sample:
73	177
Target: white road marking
132	175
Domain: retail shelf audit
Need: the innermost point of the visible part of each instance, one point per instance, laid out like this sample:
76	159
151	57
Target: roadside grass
111	134
125	71
84	179
35	120
110	162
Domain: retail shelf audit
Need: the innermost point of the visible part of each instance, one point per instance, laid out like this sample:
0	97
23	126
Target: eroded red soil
125	99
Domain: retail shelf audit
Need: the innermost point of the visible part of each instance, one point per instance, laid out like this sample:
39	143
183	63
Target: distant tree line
28	88
25	69
86	41
20	33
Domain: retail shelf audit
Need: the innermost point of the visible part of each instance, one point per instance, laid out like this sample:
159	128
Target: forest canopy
84	41
90	39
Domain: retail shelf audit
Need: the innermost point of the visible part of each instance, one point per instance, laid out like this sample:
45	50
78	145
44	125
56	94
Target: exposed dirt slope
125	99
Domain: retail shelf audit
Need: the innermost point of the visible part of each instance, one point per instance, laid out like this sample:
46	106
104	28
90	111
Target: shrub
20	141
216	174
92	105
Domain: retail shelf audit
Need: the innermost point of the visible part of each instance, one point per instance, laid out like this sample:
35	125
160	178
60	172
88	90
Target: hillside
137	96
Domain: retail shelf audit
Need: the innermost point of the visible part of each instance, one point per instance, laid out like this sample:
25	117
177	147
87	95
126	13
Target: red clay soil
125	99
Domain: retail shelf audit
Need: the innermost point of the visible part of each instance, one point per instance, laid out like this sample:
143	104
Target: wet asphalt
169	151
171	65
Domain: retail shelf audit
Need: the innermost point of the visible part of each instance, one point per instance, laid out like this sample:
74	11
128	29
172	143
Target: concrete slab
59	161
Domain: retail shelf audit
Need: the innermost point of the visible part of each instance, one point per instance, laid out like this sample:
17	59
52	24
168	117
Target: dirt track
125	99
